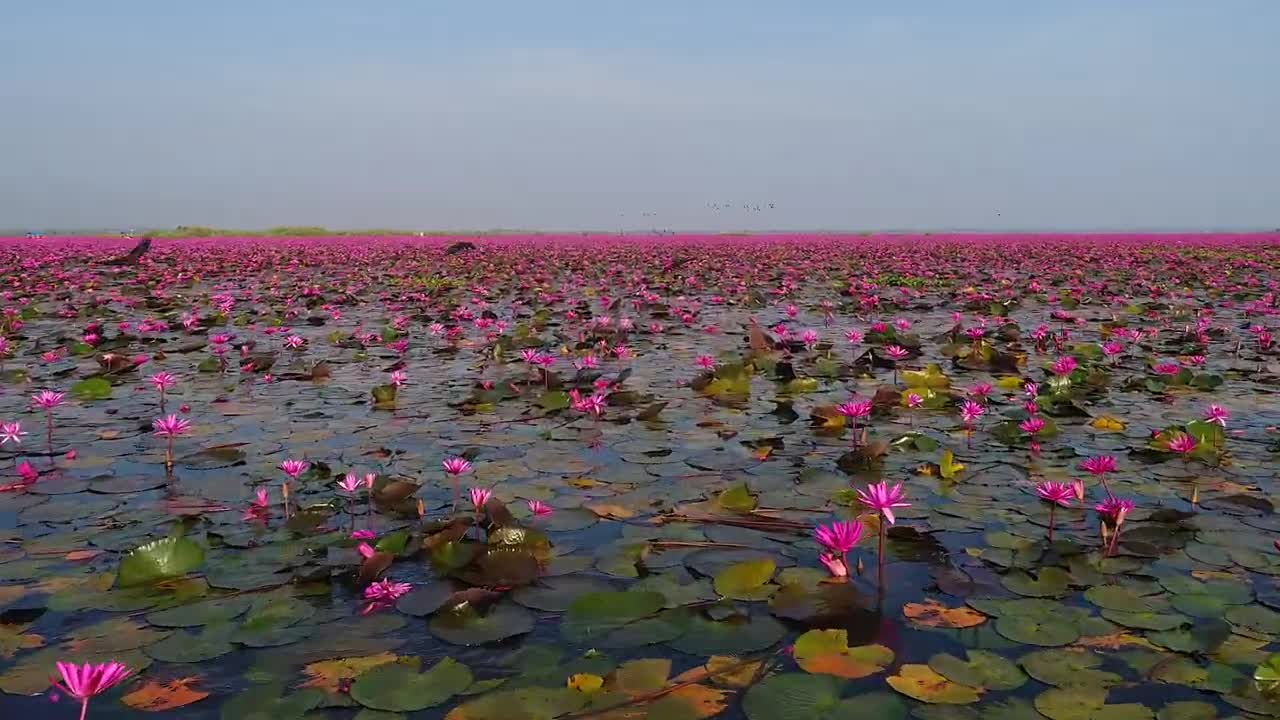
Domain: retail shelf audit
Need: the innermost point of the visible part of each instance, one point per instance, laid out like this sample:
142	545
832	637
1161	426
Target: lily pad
161	559
799	696
827	652
982	669
922	683
747	580
466	625
398	687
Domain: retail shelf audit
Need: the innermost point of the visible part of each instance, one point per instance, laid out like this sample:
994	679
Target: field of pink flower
787	476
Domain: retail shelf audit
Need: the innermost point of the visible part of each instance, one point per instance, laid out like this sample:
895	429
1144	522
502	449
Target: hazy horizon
993	116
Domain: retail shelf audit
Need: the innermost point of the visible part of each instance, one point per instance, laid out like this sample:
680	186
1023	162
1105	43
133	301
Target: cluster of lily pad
572	477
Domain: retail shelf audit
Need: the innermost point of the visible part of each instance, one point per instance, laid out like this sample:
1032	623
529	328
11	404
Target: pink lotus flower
362	535
853	337
1056	493
1217	414
706	362
539	508
971	411
456	465
1182	443
163	381
398	377
1114	510
260	507
47	400
836	565
170	426
897	352
295	342
1032	425
855	409
914	400
350	484
479	497
11	433
839	537
382	594
883	499
83	682
1077	489
294	468
366	550
1098	465
1063	366
28	472
1167	369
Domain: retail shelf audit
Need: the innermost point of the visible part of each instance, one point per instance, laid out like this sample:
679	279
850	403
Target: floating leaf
1107	423
585	683
466	625
737	499
92	389
154	696
746	580
328	675
15	637
800	696
932	613
1048	582
265	702
397	687
1068	667
827	652
948	468
923	684
983	669
161	559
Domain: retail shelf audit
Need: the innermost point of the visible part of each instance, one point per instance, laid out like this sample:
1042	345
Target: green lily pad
747	580
1255	621
1037	630
799	696
466	625
1087	703
1049	582
982	669
1068	668
266	702
161	559
92	389
275	621
733	636
528	703
1146	620
827	652
922	683
677	593
1188	710
206	612
425	599
556	594
188	647
398	687
1123	599
595	615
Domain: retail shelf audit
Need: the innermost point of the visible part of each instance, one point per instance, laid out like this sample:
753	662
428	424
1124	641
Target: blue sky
609	115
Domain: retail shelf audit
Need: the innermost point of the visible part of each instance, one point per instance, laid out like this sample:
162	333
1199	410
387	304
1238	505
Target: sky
610	115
